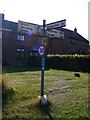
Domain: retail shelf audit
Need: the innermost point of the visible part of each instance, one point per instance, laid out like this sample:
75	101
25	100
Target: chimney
1	20
1	16
75	30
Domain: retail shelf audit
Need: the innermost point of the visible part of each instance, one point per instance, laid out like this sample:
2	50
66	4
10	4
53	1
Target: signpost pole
42	51
42	76
42	63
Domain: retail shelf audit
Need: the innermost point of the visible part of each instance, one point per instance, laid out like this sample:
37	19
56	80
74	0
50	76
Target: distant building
18	43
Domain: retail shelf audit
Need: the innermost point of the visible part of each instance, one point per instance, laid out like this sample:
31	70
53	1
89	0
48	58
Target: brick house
17	46
73	42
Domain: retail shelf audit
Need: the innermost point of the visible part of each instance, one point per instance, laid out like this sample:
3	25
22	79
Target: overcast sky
74	11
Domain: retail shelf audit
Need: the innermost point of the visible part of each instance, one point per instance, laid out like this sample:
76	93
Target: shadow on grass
11	69
7	95
45	109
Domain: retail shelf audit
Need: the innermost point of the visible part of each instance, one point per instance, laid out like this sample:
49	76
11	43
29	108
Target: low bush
69	62
64	62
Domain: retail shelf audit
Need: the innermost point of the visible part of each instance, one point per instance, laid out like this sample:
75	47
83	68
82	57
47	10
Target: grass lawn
67	95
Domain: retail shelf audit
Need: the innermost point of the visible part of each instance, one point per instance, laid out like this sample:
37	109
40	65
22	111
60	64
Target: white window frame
20	37
21	50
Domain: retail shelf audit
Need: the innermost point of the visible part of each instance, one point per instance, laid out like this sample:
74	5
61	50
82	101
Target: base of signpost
43	100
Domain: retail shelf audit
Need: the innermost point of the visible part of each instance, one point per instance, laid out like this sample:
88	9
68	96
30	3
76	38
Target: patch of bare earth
59	91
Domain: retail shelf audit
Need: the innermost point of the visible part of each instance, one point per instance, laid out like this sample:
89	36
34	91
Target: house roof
10	25
74	35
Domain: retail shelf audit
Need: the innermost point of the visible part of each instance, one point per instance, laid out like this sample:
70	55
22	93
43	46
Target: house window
20	53
20	37
34	52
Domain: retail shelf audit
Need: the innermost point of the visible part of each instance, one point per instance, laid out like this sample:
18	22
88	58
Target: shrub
64	62
69	62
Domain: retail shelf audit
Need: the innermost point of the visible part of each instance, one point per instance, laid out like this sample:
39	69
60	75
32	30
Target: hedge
63	62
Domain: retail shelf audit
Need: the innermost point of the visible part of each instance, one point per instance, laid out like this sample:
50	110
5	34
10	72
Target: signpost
53	33
31	28
26	27
58	24
49	30
44	41
41	50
